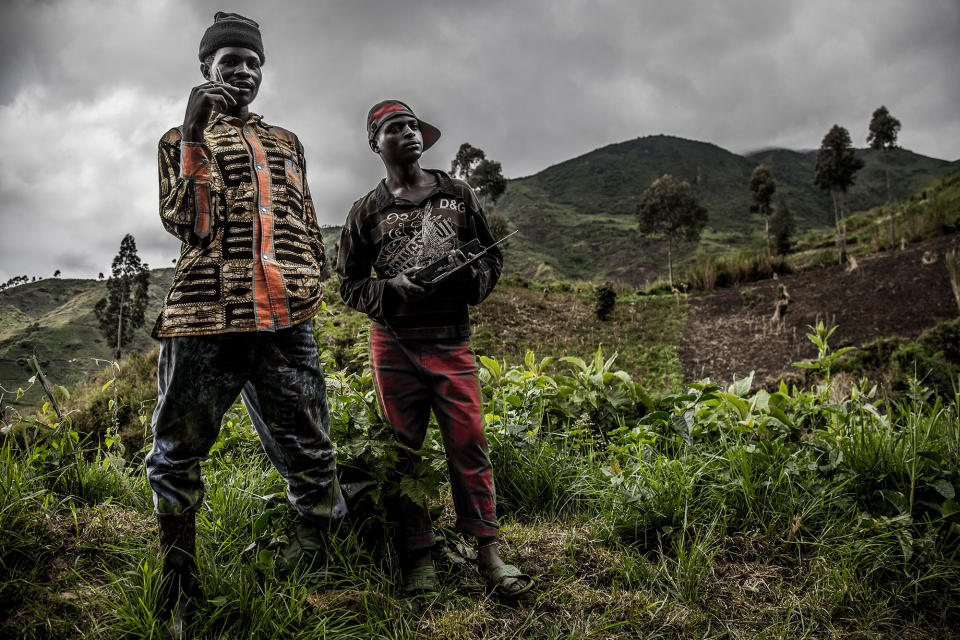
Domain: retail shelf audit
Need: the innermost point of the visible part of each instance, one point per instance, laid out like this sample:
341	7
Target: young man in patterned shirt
233	189
421	360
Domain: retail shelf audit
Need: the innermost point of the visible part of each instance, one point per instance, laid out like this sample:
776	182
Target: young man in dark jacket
233	189
419	348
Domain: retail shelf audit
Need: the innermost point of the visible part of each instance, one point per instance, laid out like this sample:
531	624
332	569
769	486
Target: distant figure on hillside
421	360
780	307
233	189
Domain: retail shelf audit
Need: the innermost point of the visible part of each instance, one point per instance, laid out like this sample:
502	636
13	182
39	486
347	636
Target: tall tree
669	208
883	137
121	312
484	175
466	160
783	227
763	187
836	171
488	181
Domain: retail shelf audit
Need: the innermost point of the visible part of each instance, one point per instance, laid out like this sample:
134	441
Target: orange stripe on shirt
270	292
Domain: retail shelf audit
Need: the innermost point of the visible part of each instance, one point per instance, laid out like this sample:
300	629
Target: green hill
53	319
576	218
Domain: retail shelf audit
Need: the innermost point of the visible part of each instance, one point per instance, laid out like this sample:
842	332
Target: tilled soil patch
731	332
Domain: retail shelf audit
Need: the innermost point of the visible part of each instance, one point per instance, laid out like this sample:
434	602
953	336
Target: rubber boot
181	593
307	547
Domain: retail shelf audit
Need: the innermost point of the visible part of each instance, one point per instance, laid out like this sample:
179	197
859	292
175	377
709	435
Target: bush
606	300
121	400
933	359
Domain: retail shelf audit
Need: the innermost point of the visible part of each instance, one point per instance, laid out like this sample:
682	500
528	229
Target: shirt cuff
194	162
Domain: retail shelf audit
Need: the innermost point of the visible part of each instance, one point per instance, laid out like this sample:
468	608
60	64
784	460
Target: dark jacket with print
389	236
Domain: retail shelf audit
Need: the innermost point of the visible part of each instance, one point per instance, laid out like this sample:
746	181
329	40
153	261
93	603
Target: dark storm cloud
88	87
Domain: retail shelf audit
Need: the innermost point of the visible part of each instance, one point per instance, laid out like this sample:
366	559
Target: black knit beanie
231	30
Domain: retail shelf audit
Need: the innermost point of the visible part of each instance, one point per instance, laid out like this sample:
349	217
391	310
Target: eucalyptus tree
484	175
466	160
883	137
836	171
122	311
668	208
763	187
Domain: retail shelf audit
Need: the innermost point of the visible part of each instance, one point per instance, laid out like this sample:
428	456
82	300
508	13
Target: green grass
699	512
643	331
928	212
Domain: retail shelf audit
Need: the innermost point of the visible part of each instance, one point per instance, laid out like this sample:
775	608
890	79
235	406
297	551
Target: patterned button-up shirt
252	252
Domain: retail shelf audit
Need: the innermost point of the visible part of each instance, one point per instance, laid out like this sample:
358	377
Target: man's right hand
406	289
203	99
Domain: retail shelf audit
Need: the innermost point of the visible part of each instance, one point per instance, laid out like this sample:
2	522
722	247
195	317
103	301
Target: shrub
933	358
605	300
121	400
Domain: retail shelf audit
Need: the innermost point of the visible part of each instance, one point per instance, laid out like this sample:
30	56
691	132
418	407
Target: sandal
420	581
496	577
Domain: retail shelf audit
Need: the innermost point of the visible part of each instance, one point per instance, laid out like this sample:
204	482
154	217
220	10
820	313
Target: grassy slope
643	332
576	218
53	319
929	211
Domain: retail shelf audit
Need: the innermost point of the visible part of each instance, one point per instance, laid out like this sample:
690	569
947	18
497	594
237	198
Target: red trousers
413	377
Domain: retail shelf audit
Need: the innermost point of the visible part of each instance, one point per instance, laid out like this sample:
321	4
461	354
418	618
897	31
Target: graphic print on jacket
419	237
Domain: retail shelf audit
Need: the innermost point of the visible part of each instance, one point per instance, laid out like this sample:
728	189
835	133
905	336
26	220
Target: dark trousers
283	387
412	377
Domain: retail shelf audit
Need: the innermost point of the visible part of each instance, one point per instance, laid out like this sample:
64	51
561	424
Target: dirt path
730	332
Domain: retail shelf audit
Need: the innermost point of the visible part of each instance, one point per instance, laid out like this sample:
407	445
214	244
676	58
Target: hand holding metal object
209	96
453	262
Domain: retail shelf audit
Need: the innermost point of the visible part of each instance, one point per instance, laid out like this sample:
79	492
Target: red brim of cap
430	133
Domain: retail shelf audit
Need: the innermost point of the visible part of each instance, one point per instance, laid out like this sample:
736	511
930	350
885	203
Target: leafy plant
819	335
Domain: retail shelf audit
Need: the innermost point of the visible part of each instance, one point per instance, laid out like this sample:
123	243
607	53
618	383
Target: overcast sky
88	87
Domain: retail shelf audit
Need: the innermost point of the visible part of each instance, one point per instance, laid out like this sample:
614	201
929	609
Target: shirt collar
217	117
382	198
